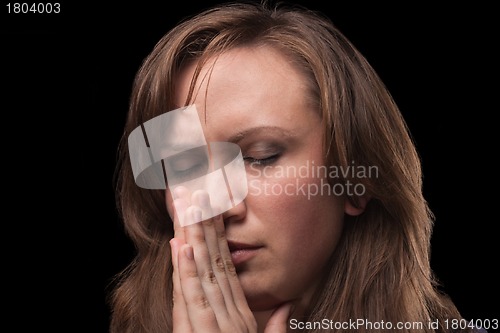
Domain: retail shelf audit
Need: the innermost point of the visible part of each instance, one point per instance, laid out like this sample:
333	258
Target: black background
66	83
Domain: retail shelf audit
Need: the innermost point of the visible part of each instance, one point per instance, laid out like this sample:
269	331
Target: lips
235	246
241	252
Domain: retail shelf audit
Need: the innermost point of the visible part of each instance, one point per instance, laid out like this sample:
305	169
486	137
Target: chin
264	303
263	291
260	298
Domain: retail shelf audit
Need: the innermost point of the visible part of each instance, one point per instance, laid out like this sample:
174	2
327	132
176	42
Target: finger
182	200
230	279
181	205
221	262
217	261
220	258
195	236
278	323
201	315
180	316
202	199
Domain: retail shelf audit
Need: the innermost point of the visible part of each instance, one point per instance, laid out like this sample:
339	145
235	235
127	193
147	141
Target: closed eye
262	161
187	165
191	172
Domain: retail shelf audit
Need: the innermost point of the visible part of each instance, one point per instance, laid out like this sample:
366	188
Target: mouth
241	252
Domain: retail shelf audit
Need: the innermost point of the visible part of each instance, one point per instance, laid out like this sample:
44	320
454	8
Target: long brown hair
381	268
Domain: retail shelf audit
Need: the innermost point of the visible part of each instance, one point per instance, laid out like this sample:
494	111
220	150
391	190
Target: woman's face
289	222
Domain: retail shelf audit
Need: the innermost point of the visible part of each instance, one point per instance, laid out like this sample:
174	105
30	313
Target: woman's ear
355	205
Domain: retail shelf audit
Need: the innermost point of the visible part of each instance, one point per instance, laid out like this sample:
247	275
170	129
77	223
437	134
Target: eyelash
262	161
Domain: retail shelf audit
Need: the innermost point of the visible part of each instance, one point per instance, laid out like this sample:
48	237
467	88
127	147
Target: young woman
333	234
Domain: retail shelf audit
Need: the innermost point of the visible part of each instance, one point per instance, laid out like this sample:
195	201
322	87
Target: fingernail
197	214
204	200
188	251
177	192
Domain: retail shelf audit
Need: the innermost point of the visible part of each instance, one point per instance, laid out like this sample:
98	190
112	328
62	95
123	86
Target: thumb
278	323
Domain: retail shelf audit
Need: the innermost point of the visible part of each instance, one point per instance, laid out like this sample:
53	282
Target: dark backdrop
67	80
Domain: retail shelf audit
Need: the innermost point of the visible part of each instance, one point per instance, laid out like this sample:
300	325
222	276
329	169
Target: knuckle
198	237
219	263
208	222
201	301
230	267
192	274
209	276
222	235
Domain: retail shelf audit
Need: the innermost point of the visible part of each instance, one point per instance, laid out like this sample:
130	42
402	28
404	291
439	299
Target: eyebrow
258	130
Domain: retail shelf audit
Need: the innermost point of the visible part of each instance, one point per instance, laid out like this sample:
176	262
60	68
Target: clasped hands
207	295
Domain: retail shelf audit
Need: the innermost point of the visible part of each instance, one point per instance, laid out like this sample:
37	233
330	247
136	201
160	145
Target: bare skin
258	100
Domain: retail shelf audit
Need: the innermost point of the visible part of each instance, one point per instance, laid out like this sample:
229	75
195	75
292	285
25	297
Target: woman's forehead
241	75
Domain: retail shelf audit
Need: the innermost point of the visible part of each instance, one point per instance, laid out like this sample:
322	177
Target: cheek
301	231
301	207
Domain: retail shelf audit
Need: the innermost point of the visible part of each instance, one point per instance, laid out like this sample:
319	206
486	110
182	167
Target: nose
235	214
